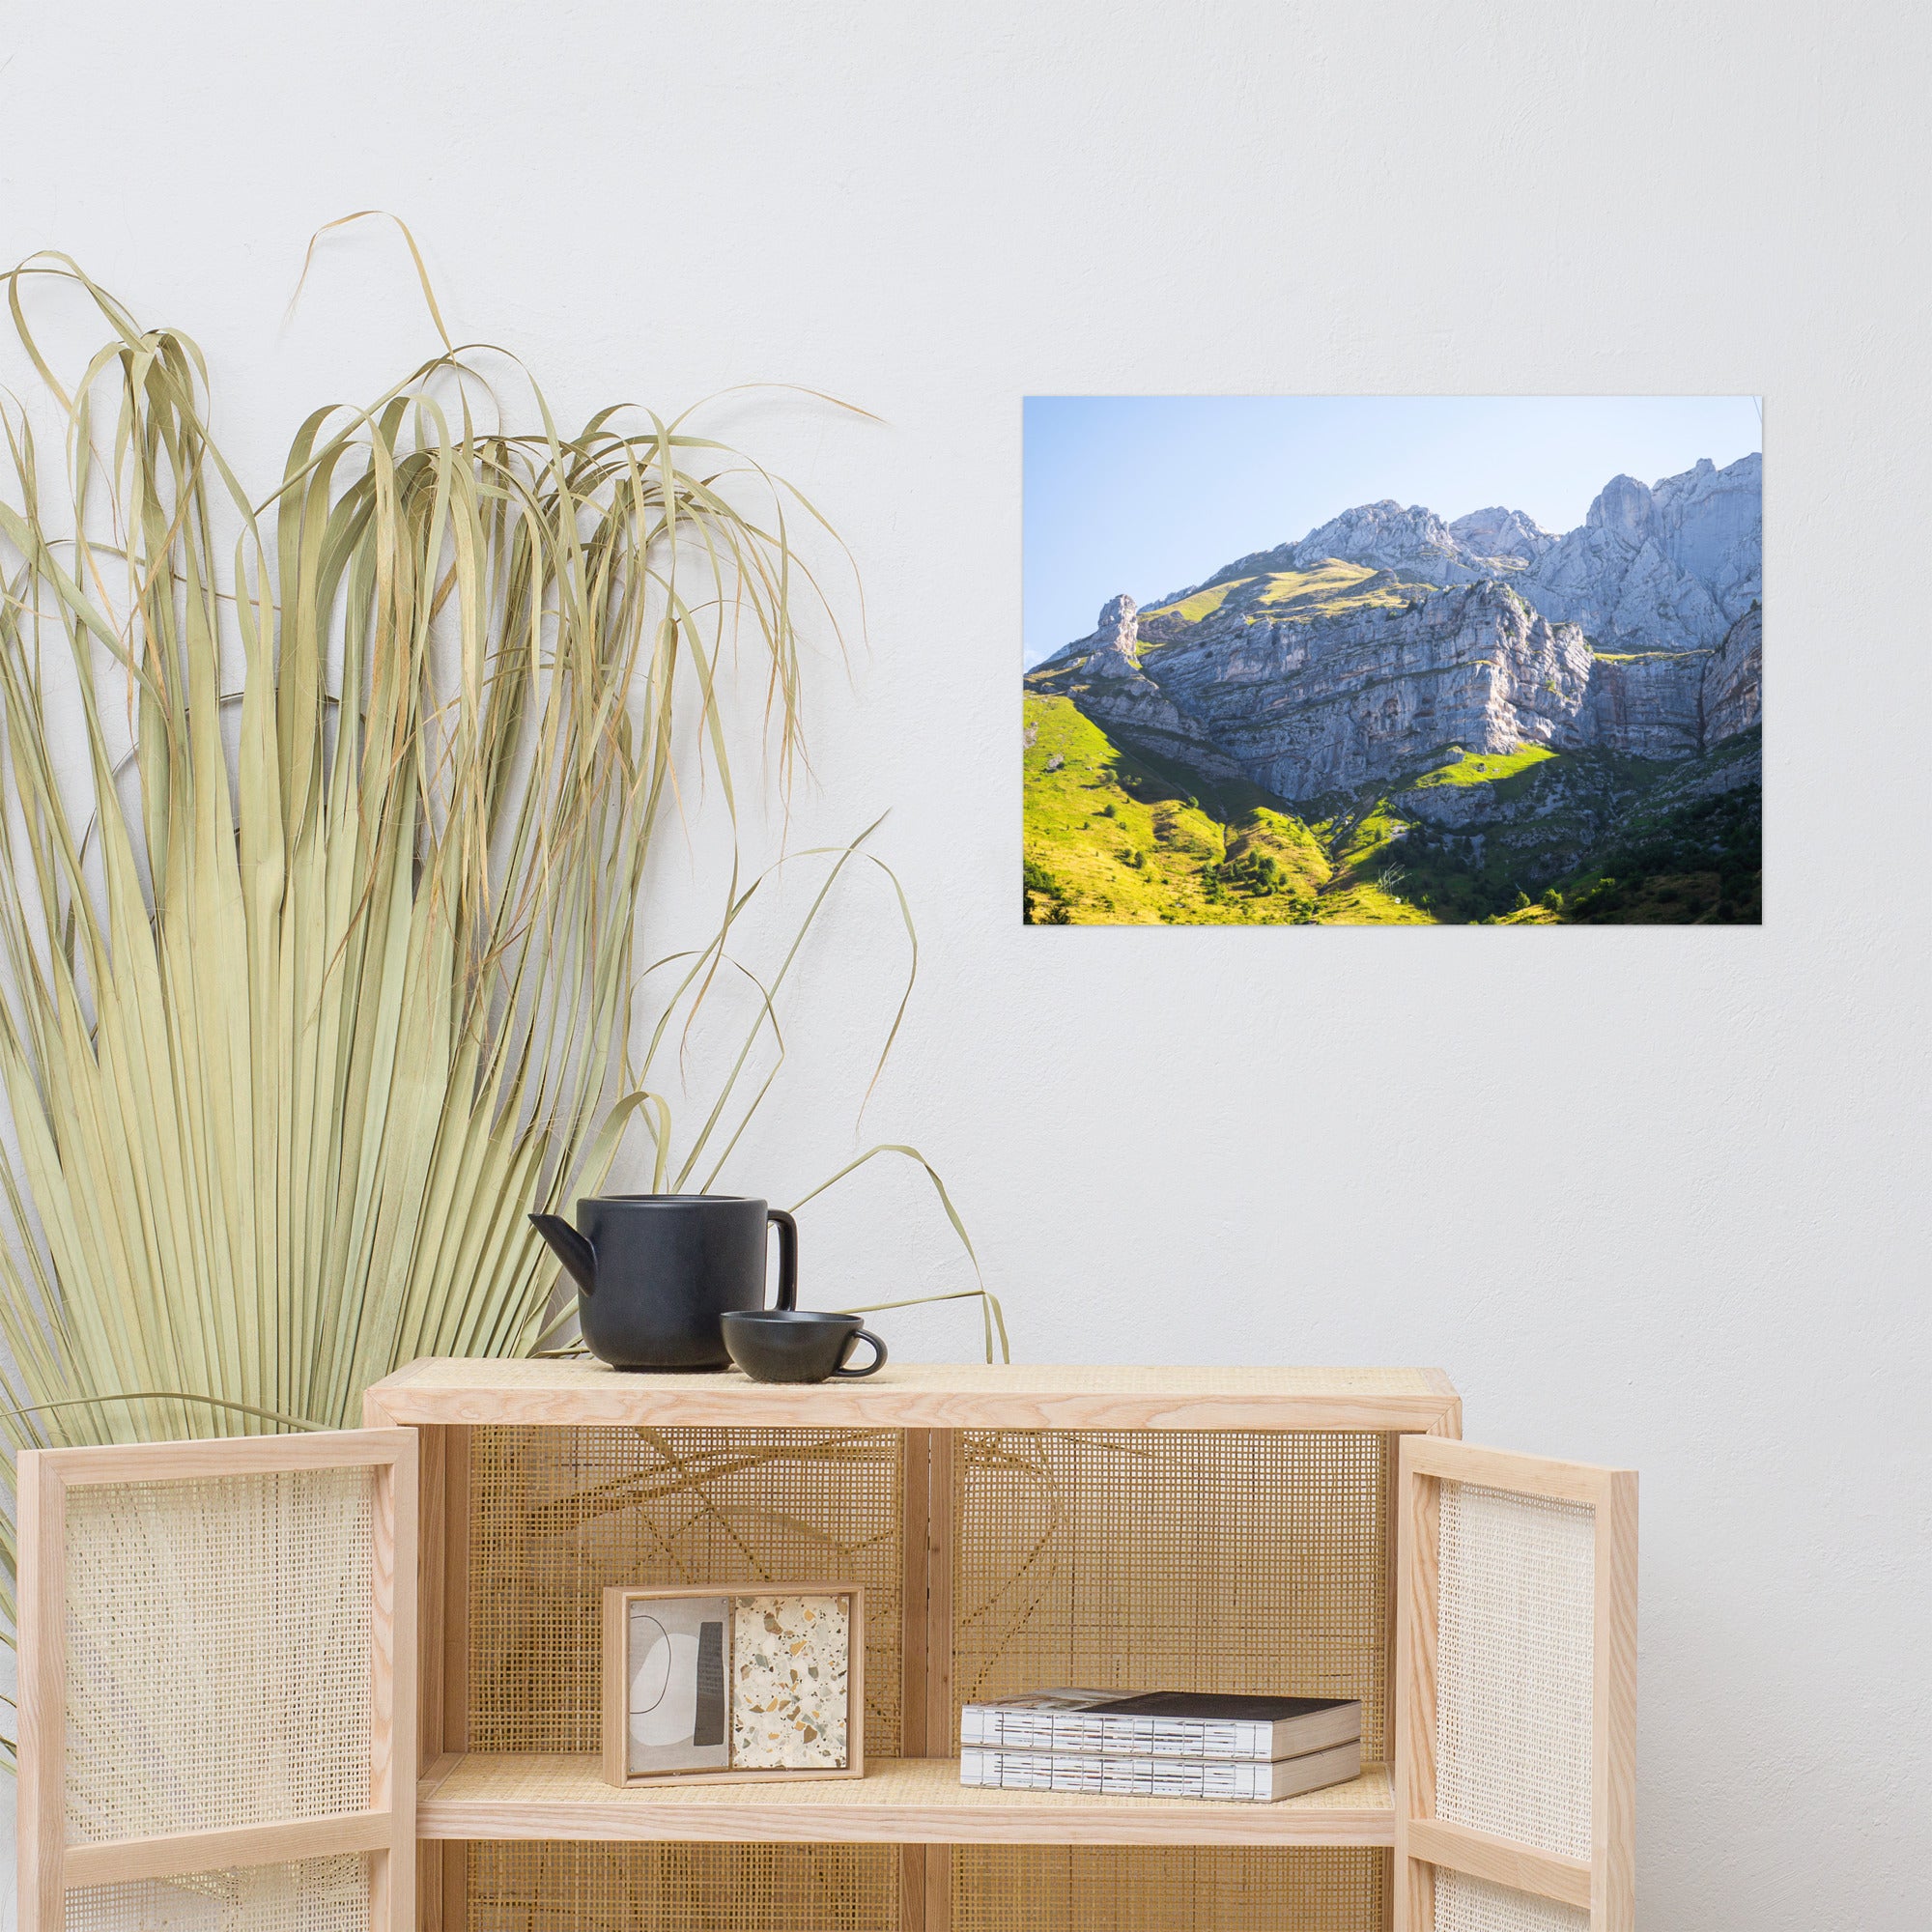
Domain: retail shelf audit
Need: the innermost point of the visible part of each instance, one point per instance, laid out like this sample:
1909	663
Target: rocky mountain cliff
1507	535
1412	543
1387	639
1669	568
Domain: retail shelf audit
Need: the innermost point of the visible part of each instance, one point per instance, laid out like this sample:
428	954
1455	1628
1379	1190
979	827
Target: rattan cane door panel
205	1691
310	1895
1465	1904
1516	1693
1514	1666
217	1696
1209	1560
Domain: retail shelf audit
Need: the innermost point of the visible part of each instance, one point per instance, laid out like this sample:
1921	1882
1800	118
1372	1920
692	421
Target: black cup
789	1345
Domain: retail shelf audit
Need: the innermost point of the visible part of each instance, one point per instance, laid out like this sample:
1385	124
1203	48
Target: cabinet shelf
898	1801
919	1395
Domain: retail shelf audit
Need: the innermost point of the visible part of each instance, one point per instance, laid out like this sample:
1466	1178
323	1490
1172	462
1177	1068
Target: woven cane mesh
313	1896
1242	1561
1119	1889
217	1651
539	1886
558	1513
1464	1904
1514	1666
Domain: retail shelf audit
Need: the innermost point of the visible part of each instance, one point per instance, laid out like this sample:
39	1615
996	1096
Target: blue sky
1149	494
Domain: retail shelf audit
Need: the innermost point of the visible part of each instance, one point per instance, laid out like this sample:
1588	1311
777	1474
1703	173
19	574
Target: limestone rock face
1116	632
1623	508
1580	579
1664	569
1710	523
1338	703
1733	680
1115	637
1412	542
1385	537
1505	536
1658	604
1102	674
1638	632
1650	706
1450	808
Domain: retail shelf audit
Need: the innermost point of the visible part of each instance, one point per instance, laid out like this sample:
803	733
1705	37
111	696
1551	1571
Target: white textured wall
1650	1196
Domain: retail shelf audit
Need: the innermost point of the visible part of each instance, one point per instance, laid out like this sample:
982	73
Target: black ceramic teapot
655	1272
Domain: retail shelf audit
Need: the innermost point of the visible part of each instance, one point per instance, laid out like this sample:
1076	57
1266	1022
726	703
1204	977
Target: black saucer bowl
795	1345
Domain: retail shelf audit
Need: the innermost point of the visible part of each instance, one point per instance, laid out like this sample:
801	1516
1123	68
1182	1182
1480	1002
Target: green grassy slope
1333	586
1590	838
1117	836
1485	768
1680	860
1327	590
1203	603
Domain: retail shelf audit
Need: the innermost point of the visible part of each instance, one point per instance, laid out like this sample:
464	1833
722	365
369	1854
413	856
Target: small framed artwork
752	1684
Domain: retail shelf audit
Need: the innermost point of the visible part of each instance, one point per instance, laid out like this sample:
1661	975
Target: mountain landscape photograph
1519	685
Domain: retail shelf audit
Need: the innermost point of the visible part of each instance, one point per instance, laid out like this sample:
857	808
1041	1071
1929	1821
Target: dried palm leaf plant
318	960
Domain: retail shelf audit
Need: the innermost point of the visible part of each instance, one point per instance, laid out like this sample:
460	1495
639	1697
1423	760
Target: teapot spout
570	1249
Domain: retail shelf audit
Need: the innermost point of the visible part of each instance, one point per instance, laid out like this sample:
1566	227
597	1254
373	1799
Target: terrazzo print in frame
790	1683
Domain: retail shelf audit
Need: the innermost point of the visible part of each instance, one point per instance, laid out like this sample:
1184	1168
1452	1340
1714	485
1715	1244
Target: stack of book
1164	1744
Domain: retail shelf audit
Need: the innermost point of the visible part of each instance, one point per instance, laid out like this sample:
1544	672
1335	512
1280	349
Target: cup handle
787	1257
872	1367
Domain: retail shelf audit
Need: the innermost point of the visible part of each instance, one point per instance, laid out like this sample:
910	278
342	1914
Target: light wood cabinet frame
915	1802
419	1445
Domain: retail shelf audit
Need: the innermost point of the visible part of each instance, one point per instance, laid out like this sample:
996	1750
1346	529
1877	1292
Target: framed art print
1392	661
750	1684
673	1681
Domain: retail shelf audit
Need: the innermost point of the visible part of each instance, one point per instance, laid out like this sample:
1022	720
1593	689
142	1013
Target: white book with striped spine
1161	1723
1232	1781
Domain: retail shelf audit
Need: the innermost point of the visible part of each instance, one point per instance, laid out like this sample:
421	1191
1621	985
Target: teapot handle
787	1257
